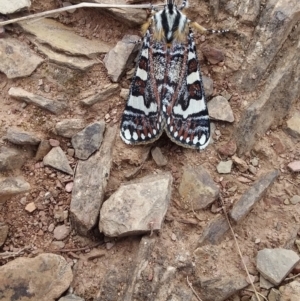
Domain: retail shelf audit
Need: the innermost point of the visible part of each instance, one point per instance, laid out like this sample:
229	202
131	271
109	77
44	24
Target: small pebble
54	142
295	199
69	187
173	237
30	207
254	162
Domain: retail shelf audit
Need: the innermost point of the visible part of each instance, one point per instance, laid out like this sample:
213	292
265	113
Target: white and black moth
167	92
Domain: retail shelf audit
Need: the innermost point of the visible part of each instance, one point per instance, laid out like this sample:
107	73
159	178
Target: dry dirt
271	221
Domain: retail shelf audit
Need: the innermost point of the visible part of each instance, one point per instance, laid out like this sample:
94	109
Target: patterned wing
142	121
185	110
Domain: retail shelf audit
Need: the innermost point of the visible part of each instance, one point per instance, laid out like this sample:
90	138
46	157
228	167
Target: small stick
71	7
190	285
293	277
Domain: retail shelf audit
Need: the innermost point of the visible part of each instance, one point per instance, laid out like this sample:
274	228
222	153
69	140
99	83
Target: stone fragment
158	157
10	159
290	291
224	167
219	109
121	56
44	278
247	201
54	106
240	163
228	148
69	187
69	127
3	233
274	295
54	142
61	232
9	7
254	161
30	207
293	125
21	137
57	245
276	264
294	166
12	186
87	141
208	85
137	207
124	93
63	38
213	55
103	95
295	199
43	149
57	159
214	232
197	188
264	283
70	297
12	62
89	185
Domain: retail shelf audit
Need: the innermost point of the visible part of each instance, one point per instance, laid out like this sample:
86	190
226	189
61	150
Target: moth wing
187	120
142	121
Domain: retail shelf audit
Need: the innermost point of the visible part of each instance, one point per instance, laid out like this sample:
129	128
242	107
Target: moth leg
203	30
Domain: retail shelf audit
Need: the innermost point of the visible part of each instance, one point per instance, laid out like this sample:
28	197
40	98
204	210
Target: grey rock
290	291
54	106
158	157
244	205
89	185
9	7
69	127
219	109
42	278
121	56
103	95
274	295
12	62
293	125
275	264
70	297
198	188
224	167
3	233
61	232
214	232
137	207
264	283
12	186
43	149
63	38
21	137
10	159
87	141
208	85
57	159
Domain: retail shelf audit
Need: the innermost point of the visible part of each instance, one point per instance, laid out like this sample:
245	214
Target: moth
166	92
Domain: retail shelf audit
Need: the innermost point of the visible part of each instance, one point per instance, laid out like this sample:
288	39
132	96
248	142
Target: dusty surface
271	223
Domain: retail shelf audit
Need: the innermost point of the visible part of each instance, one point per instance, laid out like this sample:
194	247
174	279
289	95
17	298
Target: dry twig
191	286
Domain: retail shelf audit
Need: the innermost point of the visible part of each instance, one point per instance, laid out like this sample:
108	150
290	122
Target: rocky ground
85	217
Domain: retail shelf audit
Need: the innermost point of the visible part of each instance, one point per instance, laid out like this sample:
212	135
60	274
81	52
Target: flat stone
61	232
3	233
293	125
9	7
208	85
54	106
69	127
219	109
295	199
290	291
10	159
12	186
137	207
197	188
158	157
87	141
213	55
294	166
89	185
21	137
121	56
240	163
12	62
224	167
274	295
227	149
30	207
63	38
276	264
214	232
247	201
70	297
103	95
44	278
264	283
43	149
57	159
54	142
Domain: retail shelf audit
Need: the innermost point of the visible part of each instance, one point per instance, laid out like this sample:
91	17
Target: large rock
10	159
43	278
137	207
12	58
12	6
69	127
12	186
21	137
219	109
89	185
